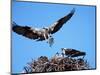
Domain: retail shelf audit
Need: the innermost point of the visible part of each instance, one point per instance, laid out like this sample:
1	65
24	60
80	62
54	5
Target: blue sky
77	33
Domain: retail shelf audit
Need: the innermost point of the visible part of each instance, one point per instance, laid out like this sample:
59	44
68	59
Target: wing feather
74	53
26	31
57	25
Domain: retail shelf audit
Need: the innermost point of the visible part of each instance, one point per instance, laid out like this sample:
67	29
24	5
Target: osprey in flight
43	33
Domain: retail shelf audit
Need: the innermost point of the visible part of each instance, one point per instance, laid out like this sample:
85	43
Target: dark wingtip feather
73	10
14	24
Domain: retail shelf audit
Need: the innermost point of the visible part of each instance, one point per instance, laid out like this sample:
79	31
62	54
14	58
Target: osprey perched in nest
43	33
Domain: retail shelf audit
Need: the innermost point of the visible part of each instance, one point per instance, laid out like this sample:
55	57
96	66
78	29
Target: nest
55	64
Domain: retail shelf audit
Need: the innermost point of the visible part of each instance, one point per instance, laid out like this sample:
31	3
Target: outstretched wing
26	31
57	25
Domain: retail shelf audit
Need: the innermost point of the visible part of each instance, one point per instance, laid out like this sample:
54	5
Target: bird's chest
43	34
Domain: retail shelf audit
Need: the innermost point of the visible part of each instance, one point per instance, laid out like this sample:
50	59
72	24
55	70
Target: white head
63	50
